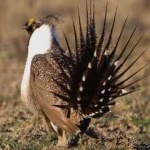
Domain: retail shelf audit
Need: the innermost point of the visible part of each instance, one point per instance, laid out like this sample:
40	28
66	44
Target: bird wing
43	73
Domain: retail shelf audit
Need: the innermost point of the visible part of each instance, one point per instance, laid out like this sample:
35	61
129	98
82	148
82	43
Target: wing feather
42	71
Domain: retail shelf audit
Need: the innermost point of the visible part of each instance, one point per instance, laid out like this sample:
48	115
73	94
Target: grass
126	127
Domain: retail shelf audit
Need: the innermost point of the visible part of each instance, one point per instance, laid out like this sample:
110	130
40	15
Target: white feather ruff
40	42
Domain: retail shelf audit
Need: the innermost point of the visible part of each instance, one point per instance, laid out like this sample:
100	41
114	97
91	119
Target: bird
71	87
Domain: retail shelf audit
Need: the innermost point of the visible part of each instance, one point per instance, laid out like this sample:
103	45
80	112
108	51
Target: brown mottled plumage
71	87
38	82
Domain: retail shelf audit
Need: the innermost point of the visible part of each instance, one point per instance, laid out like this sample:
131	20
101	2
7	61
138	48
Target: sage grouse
70	87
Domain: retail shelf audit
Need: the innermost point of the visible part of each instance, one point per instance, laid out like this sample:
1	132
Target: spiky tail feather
90	76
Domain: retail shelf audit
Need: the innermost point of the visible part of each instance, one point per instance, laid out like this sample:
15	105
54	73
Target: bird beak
24	27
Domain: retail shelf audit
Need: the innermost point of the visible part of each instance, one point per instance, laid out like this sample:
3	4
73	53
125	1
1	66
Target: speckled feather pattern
43	69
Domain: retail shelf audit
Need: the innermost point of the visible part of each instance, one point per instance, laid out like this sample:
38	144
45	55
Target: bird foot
62	142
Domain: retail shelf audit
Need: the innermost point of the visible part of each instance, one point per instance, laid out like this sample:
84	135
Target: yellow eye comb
31	21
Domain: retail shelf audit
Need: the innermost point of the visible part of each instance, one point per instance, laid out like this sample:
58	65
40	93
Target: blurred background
13	52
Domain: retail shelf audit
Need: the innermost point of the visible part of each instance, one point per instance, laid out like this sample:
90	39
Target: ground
127	127
128	130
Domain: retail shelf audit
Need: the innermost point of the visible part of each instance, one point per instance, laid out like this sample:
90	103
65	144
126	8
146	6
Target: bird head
32	24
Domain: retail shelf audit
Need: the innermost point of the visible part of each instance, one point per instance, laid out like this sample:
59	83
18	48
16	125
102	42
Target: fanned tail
93	76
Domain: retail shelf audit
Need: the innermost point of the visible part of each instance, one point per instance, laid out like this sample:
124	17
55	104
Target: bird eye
25	26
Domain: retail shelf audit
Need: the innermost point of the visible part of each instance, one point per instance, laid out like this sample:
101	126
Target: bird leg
62	140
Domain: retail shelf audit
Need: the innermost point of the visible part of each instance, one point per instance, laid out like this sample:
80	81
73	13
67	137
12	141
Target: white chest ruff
40	43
